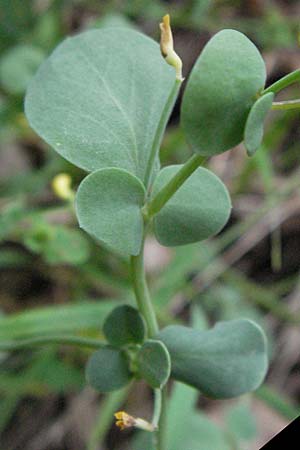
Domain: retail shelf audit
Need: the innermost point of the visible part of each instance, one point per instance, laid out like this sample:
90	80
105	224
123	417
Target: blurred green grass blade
277	402
46	373
52	339
108	407
264	165
7	408
174	276
262	296
55	319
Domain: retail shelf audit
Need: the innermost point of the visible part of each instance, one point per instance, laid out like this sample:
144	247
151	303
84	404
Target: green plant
102	100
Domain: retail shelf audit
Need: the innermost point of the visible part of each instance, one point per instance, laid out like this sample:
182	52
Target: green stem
162	424
48	340
291	78
137	262
157	407
146	309
108	407
161	198
289	104
142	292
159	418
160	130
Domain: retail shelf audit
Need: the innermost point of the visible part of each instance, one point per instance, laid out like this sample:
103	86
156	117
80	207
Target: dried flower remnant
124	421
167	47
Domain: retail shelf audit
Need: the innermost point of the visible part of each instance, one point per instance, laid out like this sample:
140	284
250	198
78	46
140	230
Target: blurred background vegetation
54	279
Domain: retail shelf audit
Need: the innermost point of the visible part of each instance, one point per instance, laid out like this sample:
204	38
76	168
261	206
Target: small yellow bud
166	38
167	47
124	421
61	185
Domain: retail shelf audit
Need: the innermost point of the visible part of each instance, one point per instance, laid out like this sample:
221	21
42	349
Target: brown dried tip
166	37
167	47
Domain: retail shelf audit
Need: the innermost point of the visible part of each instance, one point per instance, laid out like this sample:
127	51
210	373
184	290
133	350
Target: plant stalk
146	309
289	104
157	407
137	262
162	424
160	130
291	78
142	292
161	198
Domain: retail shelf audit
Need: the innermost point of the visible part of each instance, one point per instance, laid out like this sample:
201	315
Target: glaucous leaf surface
226	361
199	209
221	89
254	129
124	326
154	363
108	207
97	100
107	370
17	67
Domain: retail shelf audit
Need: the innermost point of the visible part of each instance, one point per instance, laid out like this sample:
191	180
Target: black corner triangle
288	438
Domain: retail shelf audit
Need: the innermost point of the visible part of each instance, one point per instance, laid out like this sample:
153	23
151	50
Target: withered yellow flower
124	421
167	47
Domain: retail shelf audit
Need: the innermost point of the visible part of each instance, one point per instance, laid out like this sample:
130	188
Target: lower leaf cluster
226	361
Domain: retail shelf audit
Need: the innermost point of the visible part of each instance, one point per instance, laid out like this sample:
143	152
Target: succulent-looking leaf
154	363
226	361
124	325
220	92
254	129
98	99
17	67
108	370
199	209
108	207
